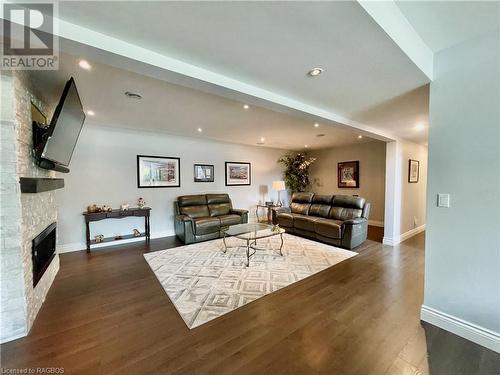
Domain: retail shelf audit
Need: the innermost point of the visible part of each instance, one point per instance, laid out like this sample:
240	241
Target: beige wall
413	195
371	158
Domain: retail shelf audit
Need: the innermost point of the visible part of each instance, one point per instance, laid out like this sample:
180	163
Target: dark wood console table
117	214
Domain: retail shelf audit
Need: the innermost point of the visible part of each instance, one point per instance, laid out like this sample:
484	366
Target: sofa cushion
218	198
348	201
192	200
328	228
219	209
300	208
320	210
285	219
195	211
226	220
206	225
304	222
322	199
302	197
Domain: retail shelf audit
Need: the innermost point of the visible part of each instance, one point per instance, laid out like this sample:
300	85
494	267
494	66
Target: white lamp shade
278	185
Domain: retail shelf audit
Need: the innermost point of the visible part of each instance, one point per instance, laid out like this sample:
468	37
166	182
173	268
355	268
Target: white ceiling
442	24
272	45
174	109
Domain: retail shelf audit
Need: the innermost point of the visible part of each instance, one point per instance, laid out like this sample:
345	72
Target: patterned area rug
204	283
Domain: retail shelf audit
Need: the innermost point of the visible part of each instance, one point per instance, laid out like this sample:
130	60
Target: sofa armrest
183	226
183	218
358	220
237	211
277	210
242	213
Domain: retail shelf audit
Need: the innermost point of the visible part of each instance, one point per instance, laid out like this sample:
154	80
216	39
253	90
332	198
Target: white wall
413	195
103	171
405	203
462	258
371	158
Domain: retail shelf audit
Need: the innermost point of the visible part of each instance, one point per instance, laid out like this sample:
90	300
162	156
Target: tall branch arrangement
296	173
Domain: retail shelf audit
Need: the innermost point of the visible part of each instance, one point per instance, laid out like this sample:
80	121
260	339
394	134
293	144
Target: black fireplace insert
43	251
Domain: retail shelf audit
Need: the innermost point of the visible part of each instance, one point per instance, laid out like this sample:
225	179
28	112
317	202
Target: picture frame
413	171
348	174
158	171
238	173
203	173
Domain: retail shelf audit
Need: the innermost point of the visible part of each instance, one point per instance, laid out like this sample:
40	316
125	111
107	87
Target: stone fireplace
24	216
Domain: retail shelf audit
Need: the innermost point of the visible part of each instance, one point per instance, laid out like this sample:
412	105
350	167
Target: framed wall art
348	174
158	171
203	173
413	171
238	174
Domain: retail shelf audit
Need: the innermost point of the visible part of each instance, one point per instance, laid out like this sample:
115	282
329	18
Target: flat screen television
55	144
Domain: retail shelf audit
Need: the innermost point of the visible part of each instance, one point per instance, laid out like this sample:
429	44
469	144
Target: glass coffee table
250	233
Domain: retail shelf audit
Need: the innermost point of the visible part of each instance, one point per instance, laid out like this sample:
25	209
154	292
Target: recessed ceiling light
84	64
90	112
306	146
200	130
316	125
262	139
133	95
360	136
420	126
315	72
246	106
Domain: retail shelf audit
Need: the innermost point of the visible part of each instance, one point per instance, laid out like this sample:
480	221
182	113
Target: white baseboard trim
376	223
462	328
411	233
77	246
390	241
12	338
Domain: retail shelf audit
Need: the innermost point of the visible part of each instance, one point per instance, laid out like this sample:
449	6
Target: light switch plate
444	200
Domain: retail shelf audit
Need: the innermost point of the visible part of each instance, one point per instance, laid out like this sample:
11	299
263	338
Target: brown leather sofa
340	220
200	217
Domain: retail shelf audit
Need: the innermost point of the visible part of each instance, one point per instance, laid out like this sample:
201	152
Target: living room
243	198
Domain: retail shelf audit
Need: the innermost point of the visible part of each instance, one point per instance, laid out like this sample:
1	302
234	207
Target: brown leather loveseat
340	220
200	217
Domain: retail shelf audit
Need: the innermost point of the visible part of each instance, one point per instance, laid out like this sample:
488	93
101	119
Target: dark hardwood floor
107	314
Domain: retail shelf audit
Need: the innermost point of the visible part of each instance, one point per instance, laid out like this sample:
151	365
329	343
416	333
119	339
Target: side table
269	212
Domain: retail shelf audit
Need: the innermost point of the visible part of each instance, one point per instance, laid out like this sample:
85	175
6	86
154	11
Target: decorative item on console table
141	202
93	208
117	214
124	206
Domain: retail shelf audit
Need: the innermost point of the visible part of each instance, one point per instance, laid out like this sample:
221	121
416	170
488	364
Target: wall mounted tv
54	145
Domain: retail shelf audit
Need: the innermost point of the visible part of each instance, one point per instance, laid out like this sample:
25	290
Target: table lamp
279	186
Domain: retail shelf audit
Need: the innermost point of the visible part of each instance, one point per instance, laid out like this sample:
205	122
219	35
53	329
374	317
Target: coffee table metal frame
243	231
